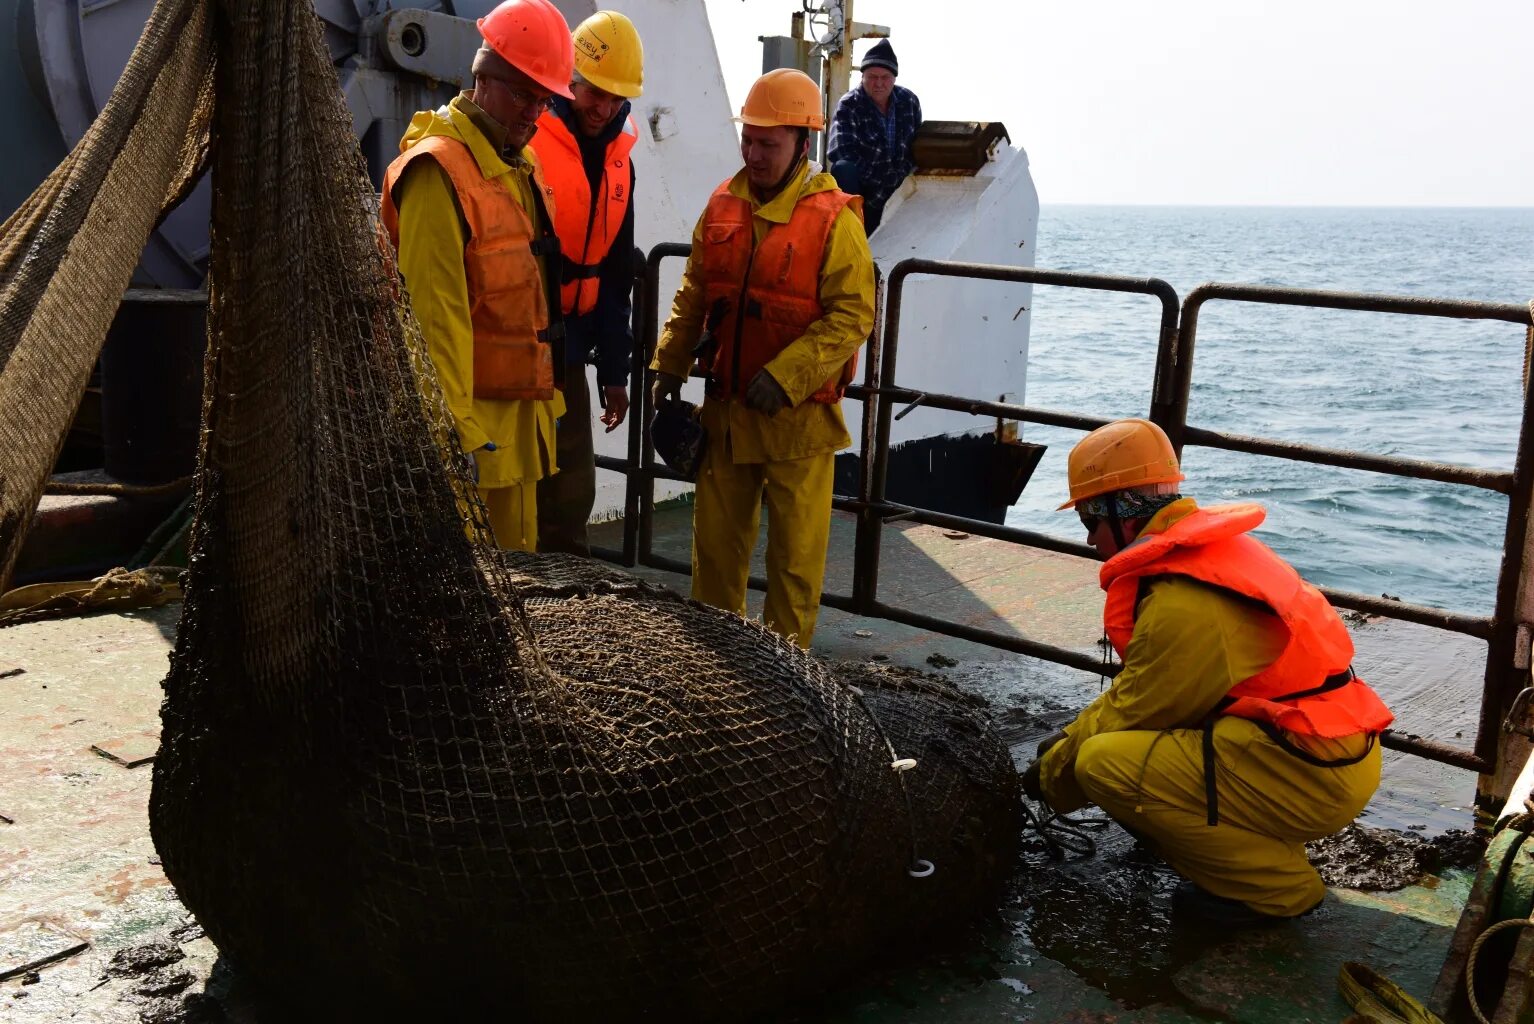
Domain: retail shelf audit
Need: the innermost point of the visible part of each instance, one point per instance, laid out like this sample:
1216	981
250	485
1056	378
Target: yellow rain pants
513	515
1136	751
726	518
789	457
1270	804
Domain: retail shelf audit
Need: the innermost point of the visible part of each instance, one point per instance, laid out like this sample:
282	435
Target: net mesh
400	769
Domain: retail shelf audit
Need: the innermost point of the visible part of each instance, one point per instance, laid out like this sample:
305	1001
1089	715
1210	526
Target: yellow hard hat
609	55
1121	455
786	97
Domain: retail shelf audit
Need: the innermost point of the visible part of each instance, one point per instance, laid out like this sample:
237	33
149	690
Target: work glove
765	395
488	446
1033	785
664	386
1049	741
615	405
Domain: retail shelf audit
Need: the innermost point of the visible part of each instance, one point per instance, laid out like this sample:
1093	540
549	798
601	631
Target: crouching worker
1236	731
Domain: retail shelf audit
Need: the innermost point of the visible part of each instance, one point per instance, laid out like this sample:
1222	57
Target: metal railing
1176	335
1502	680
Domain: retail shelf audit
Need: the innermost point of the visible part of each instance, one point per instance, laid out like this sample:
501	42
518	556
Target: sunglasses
1089	523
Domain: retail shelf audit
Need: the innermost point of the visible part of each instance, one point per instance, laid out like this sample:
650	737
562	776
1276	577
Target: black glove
664	386
488	446
1032	784
1049	741
765	395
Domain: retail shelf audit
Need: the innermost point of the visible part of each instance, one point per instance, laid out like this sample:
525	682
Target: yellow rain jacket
846	295
432	239
1136	751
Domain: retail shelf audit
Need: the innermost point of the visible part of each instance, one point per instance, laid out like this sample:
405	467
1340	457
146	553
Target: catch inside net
400	770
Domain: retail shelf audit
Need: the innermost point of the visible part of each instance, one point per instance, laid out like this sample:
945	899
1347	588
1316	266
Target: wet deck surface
1090	939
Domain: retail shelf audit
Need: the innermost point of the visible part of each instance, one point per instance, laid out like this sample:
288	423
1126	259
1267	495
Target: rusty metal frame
641	469
1503	680
873	507
1171	388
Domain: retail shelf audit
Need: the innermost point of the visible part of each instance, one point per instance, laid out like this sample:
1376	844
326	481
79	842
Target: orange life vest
764	297
508	307
586	226
1310	688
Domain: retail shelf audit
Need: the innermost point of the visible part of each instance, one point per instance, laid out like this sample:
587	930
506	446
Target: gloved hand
1033	785
488	446
1049	741
665	385
765	395
615	406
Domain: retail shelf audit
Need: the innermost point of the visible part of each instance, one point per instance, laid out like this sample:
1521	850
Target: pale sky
1343	102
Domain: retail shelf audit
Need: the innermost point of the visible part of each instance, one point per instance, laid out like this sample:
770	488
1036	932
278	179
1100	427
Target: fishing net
401	772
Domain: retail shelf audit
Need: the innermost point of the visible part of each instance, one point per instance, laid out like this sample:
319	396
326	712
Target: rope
1102	676
117	590
1060	833
157	547
1521	823
919	867
1475	952
118	490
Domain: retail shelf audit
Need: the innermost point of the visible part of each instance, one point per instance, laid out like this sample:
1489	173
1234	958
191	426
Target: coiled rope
1060	833
1524	824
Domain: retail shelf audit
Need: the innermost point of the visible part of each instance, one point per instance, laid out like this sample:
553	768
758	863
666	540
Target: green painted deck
1087	940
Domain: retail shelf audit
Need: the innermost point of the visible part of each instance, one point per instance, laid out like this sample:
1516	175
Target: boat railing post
1174	356
639	404
871	532
1504	736
644	347
865	552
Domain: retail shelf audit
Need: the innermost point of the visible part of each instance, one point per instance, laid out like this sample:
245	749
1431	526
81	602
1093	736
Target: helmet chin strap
1115	523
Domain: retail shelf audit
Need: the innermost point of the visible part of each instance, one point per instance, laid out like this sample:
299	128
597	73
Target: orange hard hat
533	37
786	97
1121	455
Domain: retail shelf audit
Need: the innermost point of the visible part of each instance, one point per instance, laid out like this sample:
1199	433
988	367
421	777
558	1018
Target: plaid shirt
879	145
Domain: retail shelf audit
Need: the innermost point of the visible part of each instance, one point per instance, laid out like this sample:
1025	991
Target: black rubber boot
1190	901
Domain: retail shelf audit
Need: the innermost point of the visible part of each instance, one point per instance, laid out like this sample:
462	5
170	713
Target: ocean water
1409	386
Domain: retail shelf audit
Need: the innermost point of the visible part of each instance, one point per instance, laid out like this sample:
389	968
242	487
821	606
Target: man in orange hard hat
583	146
1237	731
781	277
469	215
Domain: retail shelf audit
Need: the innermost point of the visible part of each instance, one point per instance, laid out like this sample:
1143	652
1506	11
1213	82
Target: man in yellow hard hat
780	274
466	210
584	145
1237	731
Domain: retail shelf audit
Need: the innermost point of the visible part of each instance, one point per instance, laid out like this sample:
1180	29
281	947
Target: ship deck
1086	939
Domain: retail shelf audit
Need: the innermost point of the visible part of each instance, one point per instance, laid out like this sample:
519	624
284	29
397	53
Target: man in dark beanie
869	152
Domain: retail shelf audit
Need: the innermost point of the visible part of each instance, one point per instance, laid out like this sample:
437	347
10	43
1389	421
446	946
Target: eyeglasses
522	100
1089	523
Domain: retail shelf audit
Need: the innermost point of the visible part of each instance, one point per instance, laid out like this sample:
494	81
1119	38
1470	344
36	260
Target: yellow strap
117	590
1378	1000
